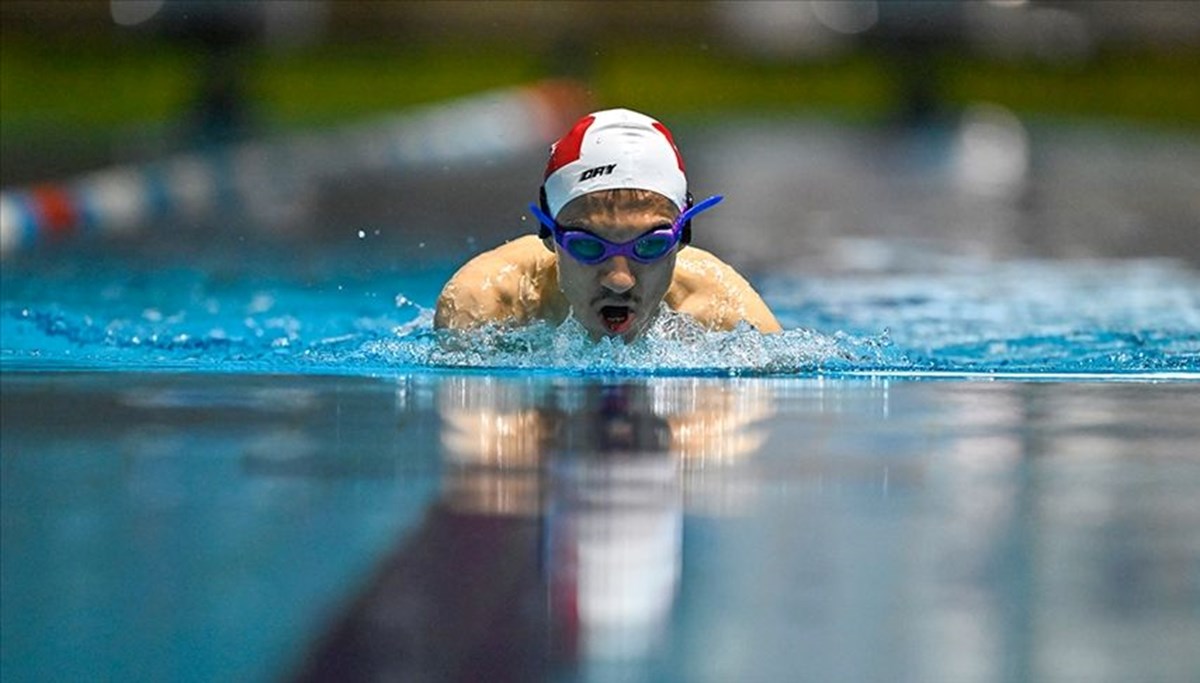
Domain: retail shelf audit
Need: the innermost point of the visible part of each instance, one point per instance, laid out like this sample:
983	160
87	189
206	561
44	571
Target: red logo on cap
667	134
569	147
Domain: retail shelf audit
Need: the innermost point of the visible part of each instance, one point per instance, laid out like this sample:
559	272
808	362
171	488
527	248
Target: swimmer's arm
493	287
757	313
711	291
470	298
753	309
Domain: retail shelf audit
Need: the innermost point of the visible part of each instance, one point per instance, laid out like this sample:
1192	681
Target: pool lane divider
267	180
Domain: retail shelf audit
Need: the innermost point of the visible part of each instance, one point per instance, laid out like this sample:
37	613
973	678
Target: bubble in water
260	303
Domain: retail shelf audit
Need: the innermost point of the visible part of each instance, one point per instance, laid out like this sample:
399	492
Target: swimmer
615	221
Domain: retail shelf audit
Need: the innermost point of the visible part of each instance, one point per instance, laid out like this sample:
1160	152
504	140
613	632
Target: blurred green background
78	76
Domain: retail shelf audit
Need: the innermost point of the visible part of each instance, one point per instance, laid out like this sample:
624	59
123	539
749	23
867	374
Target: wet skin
529	279
618	296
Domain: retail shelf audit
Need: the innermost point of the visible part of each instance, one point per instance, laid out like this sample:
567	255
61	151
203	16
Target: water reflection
946	530
500	435
601	465
932	531
613	527
560	526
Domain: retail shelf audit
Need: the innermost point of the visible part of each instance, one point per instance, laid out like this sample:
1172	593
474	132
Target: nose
617	277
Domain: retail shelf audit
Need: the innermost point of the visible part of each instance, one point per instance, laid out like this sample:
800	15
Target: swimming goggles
590	249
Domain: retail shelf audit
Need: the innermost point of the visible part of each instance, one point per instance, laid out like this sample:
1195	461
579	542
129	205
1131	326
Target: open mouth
617	319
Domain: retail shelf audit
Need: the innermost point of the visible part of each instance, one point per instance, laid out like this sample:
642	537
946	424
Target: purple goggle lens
649	247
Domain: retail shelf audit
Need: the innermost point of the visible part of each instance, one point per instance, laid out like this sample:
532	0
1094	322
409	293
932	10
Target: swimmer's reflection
612	528
503	436
558	537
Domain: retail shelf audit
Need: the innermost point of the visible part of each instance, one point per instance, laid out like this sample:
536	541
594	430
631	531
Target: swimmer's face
617	297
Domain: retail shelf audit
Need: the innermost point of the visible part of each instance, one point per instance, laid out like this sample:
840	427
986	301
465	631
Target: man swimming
615	217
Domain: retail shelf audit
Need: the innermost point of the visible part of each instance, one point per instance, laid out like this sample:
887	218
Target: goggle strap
545	220
702	206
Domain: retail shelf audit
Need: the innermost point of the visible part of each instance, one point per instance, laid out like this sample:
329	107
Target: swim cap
614	149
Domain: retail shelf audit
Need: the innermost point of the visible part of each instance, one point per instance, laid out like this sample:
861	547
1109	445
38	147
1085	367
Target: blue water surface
273	312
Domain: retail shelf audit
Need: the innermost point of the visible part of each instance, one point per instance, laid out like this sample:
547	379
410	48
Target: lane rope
263	177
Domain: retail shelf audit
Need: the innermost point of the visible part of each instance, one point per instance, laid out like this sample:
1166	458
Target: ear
544	205
686	238
543	218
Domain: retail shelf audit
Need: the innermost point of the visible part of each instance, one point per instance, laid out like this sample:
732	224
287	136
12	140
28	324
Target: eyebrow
661	218
659	228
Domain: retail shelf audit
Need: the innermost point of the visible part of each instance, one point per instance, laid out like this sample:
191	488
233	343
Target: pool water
971	456
1097	318
982	245
507	526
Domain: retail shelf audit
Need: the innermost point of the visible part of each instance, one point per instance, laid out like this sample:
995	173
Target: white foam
676	343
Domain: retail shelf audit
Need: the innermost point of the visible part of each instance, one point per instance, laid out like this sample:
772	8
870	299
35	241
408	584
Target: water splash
674	344
1103	316
275	342
1110	318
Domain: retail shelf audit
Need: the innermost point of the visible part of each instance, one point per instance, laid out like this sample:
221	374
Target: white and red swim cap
614	149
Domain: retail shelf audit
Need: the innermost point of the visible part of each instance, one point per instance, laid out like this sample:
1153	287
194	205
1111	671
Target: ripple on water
1032	318
675	344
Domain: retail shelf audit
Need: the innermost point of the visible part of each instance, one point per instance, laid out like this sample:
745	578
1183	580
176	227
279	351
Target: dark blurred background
880	90
79	76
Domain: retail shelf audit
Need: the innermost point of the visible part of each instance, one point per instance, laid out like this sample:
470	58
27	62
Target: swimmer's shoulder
713	292
507	283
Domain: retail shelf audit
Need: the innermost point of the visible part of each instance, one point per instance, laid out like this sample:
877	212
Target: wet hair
609	202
